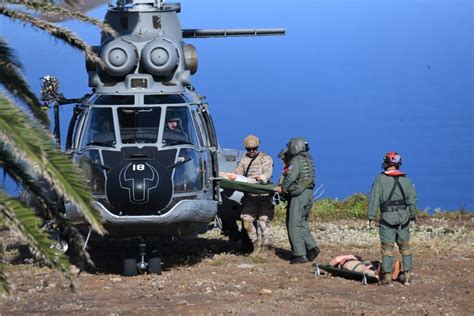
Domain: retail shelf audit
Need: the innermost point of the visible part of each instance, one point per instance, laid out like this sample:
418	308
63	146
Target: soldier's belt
385	205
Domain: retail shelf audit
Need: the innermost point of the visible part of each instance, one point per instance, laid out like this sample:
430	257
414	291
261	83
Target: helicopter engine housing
120	57
160	57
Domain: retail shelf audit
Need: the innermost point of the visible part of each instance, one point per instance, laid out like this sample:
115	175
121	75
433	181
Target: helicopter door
209	124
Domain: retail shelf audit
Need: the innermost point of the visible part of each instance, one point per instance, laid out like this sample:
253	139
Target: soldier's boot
386	279
312	253
405	278
256	248
264	224
267	249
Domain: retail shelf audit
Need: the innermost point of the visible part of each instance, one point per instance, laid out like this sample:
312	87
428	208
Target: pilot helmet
297	145
251	141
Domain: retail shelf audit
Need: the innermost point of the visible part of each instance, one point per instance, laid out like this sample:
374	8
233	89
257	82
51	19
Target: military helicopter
144	137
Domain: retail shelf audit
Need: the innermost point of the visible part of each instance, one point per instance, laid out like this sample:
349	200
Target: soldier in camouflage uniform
297	185
258	167
395	195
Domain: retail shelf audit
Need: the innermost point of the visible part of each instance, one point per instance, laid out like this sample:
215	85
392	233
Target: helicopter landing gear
131	267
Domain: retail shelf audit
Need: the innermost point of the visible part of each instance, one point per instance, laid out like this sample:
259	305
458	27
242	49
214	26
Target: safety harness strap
384	206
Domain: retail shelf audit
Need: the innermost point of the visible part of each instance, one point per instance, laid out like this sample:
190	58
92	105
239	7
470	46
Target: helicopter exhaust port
120	57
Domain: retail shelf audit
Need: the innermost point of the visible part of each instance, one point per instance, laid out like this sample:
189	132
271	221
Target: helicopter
144	138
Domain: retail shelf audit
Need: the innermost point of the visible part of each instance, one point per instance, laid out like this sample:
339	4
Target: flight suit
257	206
396	212
298	184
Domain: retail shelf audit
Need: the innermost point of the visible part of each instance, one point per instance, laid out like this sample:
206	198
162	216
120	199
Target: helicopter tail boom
205	33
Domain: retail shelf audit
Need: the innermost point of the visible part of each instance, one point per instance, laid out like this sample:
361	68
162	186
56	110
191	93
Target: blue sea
356	78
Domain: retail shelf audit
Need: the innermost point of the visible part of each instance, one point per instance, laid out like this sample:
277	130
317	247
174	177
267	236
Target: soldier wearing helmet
297	185
258	167
393	193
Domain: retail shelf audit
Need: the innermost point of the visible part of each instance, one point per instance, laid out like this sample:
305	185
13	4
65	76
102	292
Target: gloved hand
413	223
370	224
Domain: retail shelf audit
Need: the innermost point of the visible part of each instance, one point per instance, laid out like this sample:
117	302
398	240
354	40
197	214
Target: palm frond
12	79
29	177
54	30
4	286
23	221
53	10
38	192
36	146
70	184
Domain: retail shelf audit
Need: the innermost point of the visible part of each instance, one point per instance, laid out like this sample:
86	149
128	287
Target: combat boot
267	249
298	260
405	278
312	253
386	279
256	249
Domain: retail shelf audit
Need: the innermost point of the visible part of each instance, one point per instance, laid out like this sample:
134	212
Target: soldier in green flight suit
395	195
297	184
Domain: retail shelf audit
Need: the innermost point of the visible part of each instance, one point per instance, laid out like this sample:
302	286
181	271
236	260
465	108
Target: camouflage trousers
263	223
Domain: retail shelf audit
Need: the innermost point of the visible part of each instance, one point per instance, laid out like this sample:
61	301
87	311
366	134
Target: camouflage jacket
262	166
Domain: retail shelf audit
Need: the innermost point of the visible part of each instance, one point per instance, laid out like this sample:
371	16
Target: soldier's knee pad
387	249
405	249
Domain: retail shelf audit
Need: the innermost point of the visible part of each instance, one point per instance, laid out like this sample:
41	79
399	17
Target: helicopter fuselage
150	161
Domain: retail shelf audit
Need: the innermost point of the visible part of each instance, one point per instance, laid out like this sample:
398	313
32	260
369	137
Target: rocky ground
206	276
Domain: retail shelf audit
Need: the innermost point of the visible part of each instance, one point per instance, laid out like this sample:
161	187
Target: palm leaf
23	221
33	182
36	146
4	287
53	10
56	31
13	80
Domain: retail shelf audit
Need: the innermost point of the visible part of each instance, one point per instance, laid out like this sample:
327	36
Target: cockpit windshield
99	130
139	125
179	128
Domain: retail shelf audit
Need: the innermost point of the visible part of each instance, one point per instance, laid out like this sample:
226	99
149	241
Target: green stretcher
255	188
347	274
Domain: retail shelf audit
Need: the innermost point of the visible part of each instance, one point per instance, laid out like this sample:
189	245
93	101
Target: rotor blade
203	33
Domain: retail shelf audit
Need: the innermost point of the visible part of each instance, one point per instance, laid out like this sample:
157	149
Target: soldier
258	166
297	185
394	193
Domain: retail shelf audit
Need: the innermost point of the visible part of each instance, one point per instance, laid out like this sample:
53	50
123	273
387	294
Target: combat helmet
297	145
251	141
391	159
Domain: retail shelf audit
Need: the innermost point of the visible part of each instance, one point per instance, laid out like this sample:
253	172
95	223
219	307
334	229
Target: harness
384	207
250	163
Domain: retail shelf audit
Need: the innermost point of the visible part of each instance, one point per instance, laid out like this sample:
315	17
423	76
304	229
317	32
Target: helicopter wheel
130	267
154	265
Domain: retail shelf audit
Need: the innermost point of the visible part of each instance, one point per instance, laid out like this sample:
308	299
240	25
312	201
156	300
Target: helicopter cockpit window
115	100
164	99
99	130
139	125
179	128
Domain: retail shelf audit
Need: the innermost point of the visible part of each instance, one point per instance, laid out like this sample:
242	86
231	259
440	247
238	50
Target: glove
413	223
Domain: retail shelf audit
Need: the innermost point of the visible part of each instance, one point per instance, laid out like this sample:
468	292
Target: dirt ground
206	276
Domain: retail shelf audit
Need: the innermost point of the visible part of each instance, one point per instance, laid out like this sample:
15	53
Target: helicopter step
132	266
